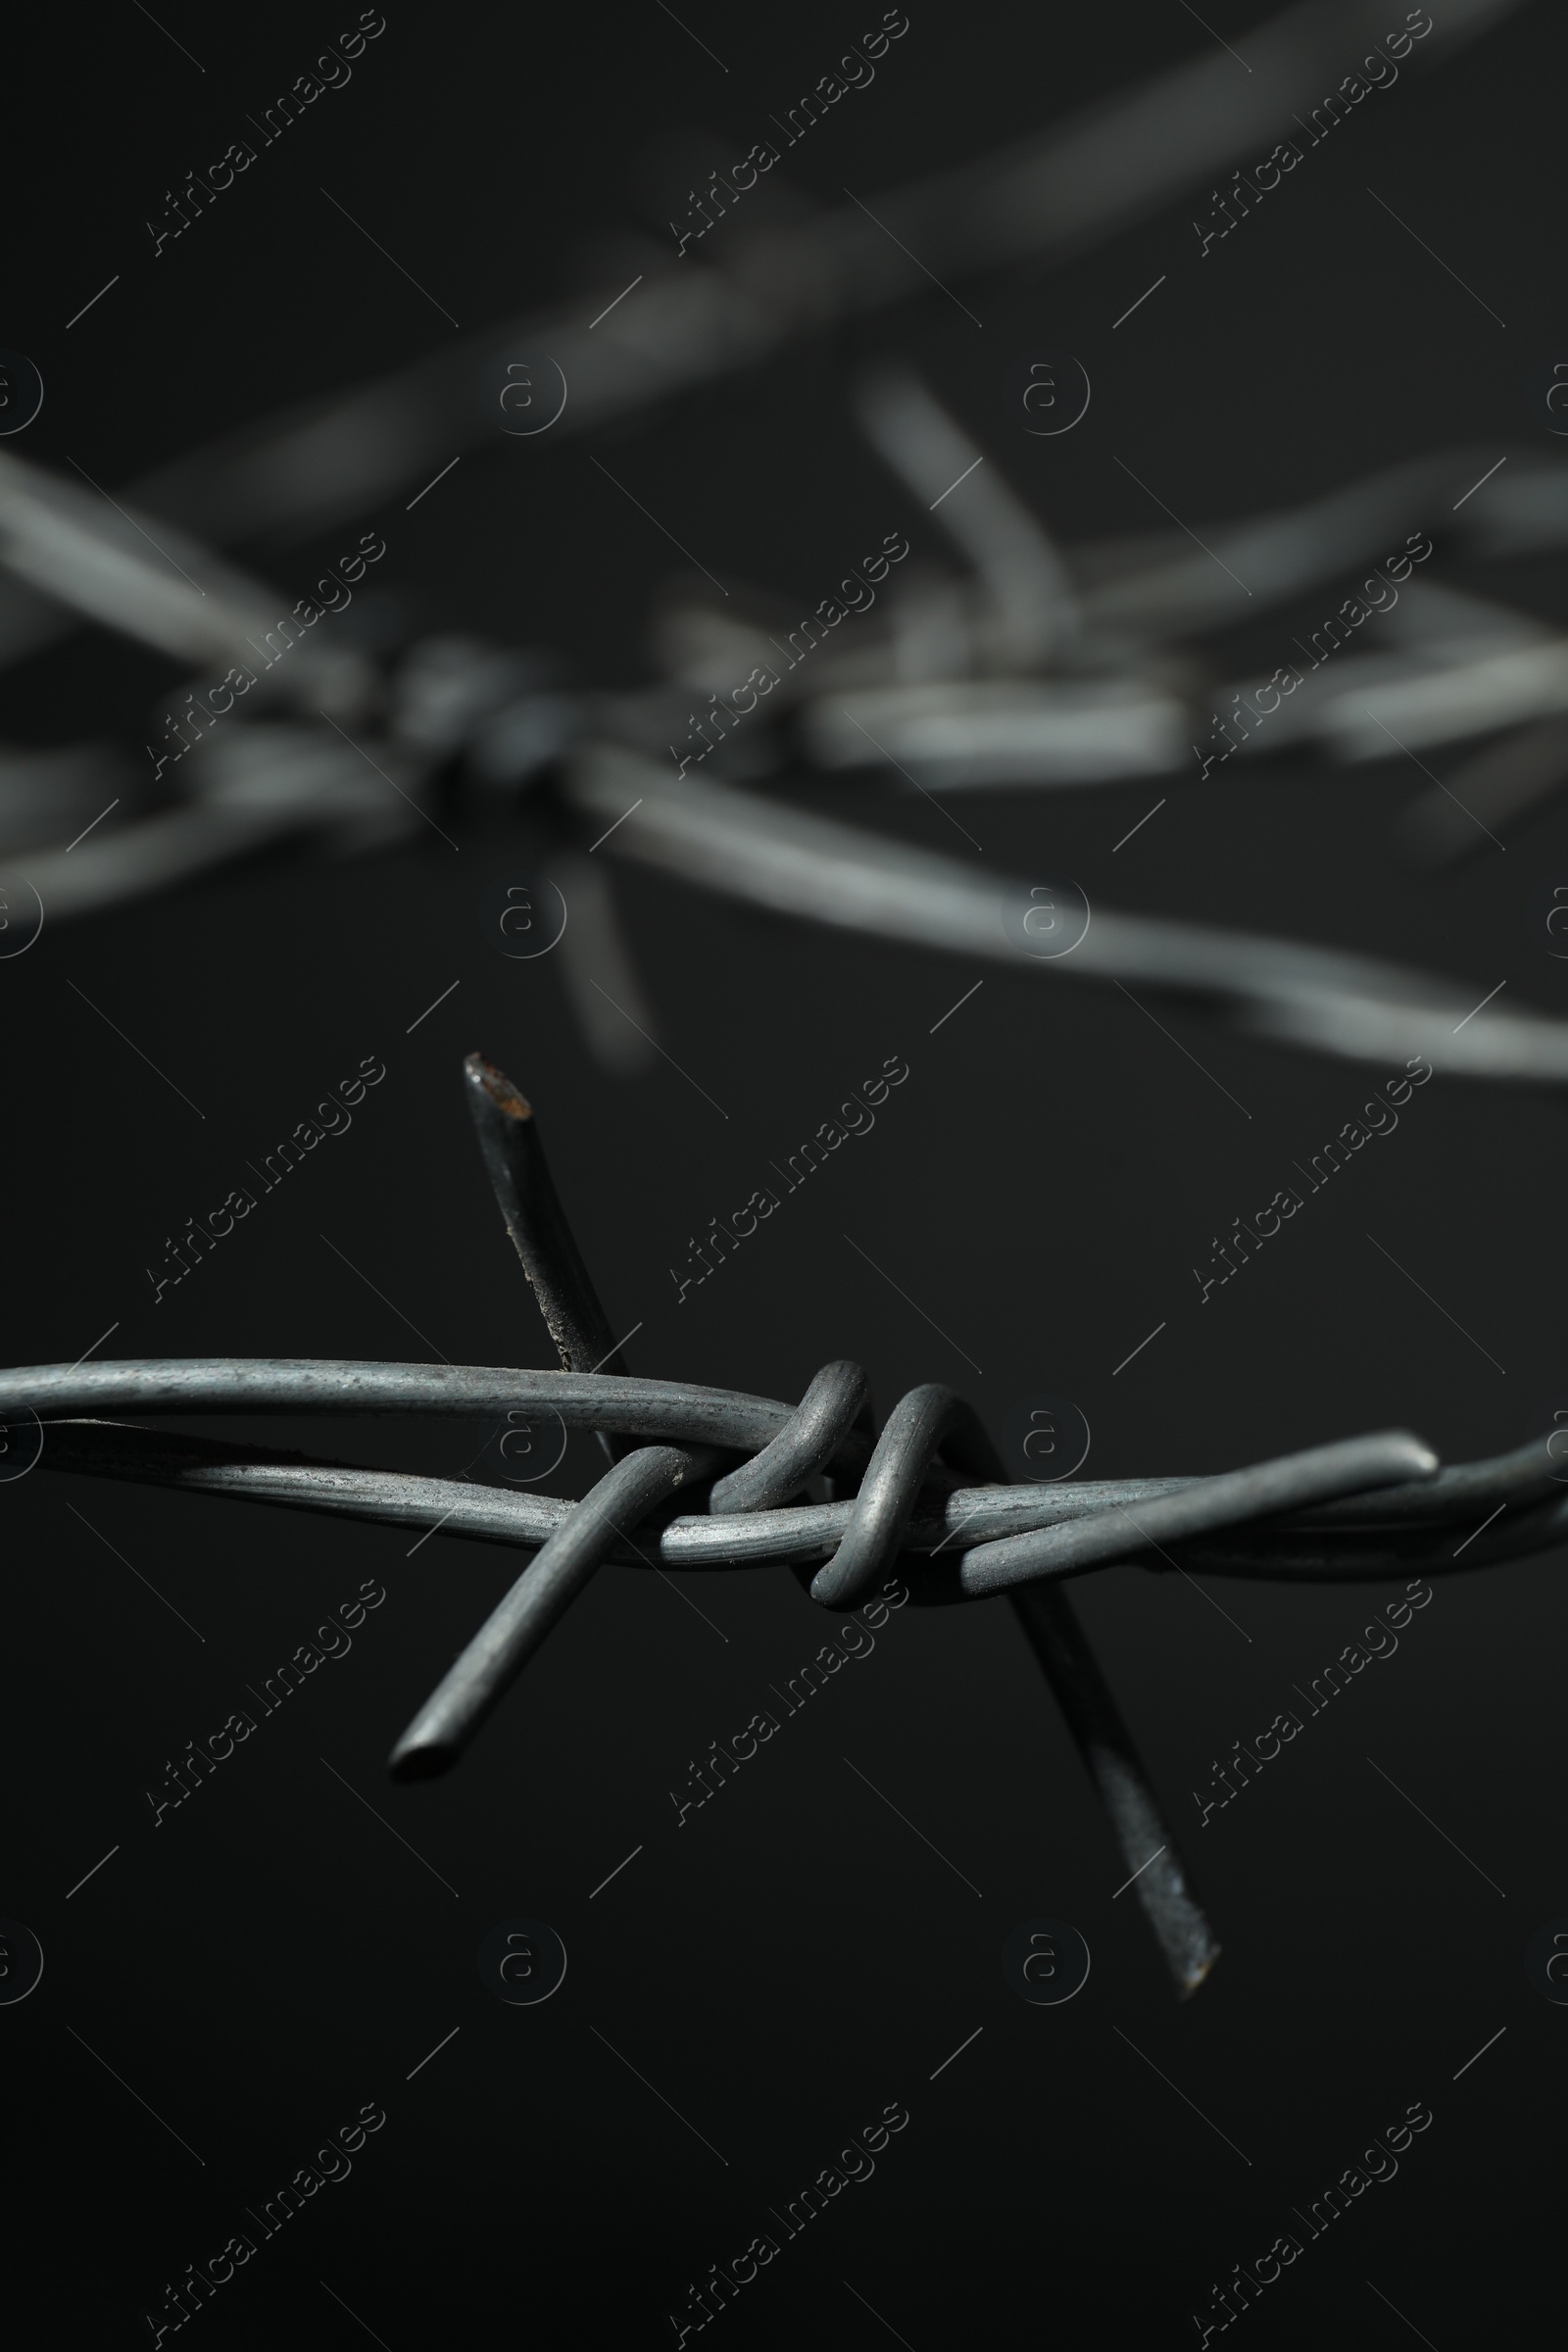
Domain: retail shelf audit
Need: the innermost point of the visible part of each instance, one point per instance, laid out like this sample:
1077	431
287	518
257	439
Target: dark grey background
794	1957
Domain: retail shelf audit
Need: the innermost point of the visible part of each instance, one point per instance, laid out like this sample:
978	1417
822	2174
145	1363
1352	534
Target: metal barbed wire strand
573	1541
1330	1543
576	1540
587	1535
1321	1473
928	1422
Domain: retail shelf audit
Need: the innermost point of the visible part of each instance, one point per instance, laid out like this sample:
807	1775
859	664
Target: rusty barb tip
498	1085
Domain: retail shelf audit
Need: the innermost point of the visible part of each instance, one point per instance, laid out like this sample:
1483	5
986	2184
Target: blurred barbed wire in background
1018	663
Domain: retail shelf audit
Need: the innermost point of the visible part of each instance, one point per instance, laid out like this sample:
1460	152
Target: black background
793	1957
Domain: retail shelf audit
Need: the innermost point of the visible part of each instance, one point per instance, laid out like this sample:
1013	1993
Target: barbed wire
588	763
1029	664
720	1485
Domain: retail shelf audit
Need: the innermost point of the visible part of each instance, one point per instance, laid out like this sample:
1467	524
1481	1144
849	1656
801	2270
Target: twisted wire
1308	1514
1367	1507
1358	1509
931	1478
910	1507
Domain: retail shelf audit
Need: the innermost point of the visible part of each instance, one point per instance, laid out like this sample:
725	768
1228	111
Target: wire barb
514	1161
512	1632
